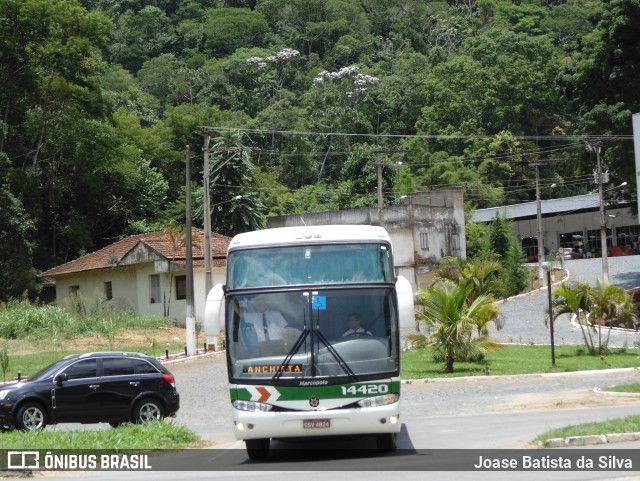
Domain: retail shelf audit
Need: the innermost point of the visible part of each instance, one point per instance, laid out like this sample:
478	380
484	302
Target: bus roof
309	234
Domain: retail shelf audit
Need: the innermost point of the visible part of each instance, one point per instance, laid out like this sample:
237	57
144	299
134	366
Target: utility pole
208	281
380	199
597	147
190	323
206	133
379	165
539	218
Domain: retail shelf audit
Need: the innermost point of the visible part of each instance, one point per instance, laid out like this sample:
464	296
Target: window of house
108	290
154	284
424	241
73	290
181	287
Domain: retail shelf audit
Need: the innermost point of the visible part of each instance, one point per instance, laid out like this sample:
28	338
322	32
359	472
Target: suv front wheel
148	411
31	417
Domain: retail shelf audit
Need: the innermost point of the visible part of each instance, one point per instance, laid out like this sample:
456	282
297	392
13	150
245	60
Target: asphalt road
524	315
203	382
471	413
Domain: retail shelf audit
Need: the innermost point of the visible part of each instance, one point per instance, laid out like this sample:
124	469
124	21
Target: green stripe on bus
340	391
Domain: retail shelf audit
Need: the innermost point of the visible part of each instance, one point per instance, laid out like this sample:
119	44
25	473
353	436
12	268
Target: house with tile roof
144	272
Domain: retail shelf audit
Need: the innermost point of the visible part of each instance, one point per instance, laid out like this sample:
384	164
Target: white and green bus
298	367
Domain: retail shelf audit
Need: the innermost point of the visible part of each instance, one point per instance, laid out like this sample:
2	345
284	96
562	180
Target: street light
548	267
596	147
539	219
603	226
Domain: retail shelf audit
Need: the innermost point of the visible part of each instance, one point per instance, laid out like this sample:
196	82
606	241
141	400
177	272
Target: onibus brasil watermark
71	461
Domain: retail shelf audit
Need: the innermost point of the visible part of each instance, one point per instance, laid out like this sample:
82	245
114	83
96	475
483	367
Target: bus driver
355	327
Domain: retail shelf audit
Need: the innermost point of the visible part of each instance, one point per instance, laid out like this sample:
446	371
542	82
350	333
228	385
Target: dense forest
99	100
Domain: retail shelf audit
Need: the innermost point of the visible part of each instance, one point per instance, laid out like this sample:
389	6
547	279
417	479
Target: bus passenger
355	327
267	323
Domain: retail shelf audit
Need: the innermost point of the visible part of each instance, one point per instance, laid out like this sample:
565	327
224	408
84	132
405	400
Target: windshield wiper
291	353
336	356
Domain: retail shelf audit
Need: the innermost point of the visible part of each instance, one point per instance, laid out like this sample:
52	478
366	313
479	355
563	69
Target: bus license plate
316	423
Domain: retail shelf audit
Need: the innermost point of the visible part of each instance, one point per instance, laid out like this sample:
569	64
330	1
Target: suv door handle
134	383
94	386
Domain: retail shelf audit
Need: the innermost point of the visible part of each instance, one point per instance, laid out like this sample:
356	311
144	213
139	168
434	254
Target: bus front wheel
387	442
257	448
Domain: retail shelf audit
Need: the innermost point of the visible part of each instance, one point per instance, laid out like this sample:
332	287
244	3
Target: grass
33	359
631	388
32	337
516	359
161	435
630	424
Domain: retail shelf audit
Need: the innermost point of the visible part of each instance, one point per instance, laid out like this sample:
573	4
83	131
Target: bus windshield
336	333
310	264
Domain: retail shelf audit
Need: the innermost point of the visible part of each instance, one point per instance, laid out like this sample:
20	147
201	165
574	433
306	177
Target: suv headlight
252	406
378	401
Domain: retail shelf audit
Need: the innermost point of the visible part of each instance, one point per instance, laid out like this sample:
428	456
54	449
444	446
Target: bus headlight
378	401
252	406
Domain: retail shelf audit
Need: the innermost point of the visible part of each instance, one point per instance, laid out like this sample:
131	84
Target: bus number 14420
365	389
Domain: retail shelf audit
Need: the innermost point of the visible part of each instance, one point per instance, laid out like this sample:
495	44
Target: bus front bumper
334	422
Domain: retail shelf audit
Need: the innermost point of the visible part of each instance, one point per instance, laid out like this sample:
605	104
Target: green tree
478	240
140	36
123	93
359	174
4	361
515	276
481	275
228	29
574	299
155	76
601	79
499	80
231	174
444	308
595	309
16	240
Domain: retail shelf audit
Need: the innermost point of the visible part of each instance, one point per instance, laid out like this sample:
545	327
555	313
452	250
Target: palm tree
611	303
447	311
595	308
575	299
481	276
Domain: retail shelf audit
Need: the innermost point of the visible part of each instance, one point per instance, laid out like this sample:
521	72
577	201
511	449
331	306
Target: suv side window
144	367
82	369
117	366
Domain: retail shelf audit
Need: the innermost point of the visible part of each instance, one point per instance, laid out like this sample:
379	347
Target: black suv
113	387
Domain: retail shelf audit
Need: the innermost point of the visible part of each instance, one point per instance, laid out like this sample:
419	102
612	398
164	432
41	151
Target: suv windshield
48	371
336	332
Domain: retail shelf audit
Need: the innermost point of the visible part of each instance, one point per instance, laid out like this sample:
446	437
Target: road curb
597	390
574	441
592	372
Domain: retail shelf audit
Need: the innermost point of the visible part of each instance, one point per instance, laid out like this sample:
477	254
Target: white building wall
131	289
91	286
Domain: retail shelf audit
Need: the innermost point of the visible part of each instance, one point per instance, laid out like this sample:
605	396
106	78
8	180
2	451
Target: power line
418	136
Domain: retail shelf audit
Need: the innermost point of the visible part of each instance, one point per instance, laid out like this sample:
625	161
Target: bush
20	319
